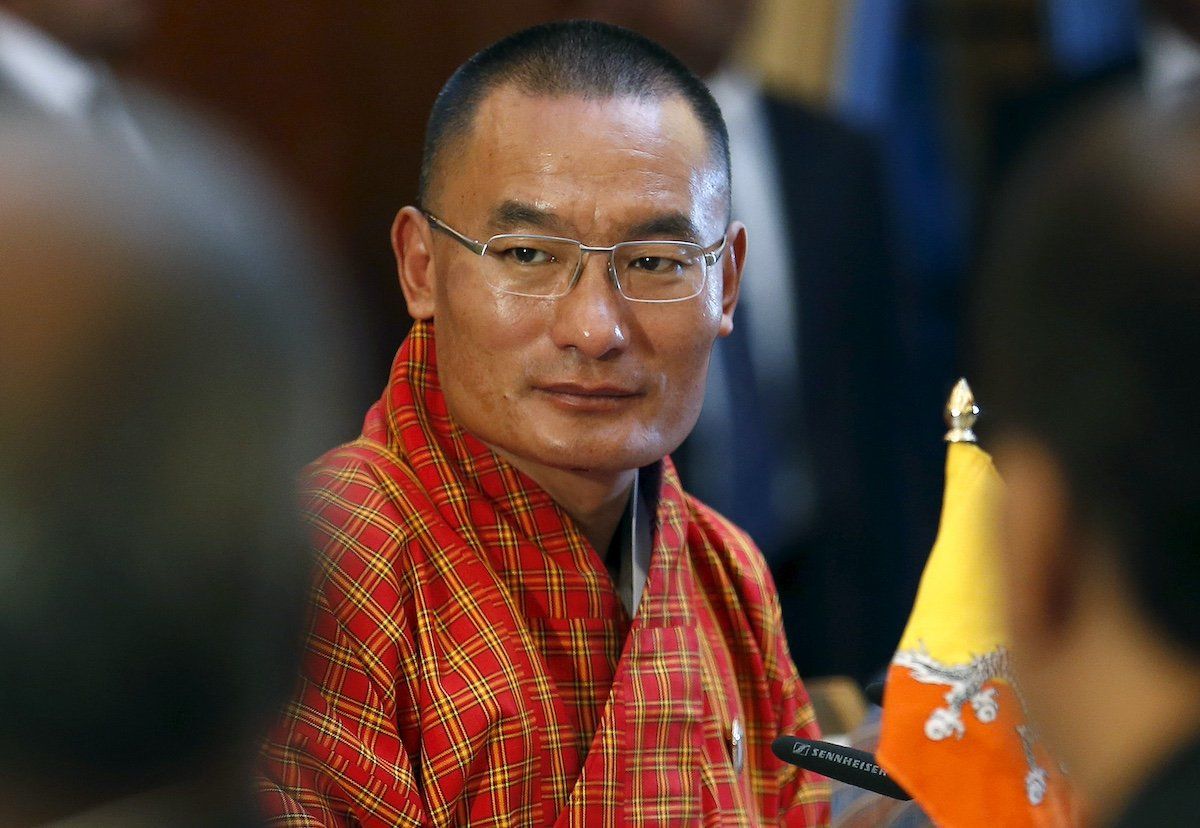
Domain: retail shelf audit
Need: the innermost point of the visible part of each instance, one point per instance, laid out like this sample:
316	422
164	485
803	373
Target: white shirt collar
43	70
1172	62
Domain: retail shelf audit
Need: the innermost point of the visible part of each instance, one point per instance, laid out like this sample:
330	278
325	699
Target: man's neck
1135	696
595	500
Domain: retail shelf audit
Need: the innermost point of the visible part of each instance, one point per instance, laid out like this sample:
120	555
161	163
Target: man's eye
528	255
655	264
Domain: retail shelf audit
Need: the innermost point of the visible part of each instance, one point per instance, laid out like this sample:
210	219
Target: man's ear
1039	544
732	264
412	242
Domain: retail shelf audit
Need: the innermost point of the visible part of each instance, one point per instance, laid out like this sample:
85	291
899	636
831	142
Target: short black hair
572	57
1088	318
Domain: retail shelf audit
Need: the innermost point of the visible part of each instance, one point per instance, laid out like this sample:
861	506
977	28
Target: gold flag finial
961	413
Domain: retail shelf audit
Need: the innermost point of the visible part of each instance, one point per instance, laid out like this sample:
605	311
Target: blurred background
336	94
944	93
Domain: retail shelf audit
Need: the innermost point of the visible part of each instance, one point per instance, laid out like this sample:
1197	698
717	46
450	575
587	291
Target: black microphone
854	767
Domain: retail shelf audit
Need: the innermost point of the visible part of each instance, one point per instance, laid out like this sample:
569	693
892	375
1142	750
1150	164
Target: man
53	57
522	618
1088	322
160	378
797	388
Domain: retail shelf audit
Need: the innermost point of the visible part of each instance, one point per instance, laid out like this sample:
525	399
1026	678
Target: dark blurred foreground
167	364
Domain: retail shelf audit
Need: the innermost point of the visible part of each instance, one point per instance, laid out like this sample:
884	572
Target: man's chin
598	458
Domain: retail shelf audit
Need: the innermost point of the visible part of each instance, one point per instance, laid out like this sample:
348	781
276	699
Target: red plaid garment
469	661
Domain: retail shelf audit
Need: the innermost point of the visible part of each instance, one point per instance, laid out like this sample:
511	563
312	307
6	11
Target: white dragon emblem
967	683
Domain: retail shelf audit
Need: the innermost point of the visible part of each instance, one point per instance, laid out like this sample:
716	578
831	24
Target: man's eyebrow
513	215
674	226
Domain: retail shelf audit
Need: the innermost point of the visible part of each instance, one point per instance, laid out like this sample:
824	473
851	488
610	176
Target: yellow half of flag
954	733
958	604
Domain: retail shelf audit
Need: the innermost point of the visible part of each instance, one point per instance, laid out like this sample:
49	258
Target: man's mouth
588	397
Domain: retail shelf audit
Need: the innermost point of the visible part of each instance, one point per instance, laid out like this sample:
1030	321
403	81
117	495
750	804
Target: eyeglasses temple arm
478	248
711	258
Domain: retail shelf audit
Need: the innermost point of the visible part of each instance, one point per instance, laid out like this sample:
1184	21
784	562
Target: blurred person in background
162	380
1088	320
801	440
1093	48
54	62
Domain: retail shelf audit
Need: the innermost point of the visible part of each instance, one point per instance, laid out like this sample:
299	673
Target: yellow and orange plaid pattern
469	662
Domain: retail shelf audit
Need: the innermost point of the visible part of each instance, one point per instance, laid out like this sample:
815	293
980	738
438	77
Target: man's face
590	380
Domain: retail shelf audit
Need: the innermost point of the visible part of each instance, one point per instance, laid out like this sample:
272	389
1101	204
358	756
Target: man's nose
592	317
